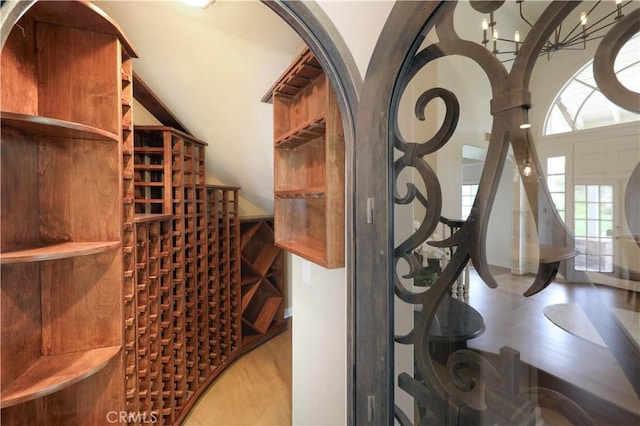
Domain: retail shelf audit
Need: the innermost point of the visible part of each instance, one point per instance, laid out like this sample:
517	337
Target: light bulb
516	37
485	24
618	1
524	126
583	19
495	34
526	169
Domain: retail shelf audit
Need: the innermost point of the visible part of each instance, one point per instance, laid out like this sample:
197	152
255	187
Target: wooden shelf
247	294
266	258
304	69
151	184
300	193
312	251
308	166
149	166
149	149
57	251
303	134
55	372
140	218
267	314
51	127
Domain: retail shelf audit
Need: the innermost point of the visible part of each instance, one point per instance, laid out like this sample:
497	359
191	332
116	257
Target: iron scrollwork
504	402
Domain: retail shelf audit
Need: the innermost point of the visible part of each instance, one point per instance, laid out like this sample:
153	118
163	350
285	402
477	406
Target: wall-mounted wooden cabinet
308	164
61	247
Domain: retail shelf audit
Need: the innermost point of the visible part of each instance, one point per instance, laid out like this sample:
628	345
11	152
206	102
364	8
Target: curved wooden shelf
45	126
81	15
55	372
57	251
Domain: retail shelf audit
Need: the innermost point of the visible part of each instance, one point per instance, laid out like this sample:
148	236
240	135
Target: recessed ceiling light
199	3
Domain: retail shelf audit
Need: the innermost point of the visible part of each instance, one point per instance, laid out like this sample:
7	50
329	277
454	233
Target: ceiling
211	67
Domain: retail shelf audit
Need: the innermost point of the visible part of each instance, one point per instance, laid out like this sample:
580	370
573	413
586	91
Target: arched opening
317	32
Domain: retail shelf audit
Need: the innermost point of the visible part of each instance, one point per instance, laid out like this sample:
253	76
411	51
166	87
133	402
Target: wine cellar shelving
62	227
121	268
308	164
201	309
262	301
224	276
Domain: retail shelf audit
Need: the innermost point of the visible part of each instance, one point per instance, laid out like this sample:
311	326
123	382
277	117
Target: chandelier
581	32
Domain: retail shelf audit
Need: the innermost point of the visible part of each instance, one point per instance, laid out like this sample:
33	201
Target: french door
514	352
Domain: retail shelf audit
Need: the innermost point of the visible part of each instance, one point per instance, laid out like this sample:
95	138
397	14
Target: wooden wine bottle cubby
204	303
262	281
152	371
224	271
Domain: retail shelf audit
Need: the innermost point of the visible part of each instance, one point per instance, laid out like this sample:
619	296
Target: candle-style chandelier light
577	38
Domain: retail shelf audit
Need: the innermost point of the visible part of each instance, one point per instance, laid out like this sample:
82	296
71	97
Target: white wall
211	67
359	22
319	344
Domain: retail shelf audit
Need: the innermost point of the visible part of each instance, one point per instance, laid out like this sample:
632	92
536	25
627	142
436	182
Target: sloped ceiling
211	67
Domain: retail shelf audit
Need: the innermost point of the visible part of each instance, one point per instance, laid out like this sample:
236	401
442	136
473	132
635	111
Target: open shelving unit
121	279
308	164
61	247
262	295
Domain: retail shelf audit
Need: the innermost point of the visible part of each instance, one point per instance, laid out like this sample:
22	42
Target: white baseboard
288	312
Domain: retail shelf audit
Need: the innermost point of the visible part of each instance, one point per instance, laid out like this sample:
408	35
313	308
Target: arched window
580	104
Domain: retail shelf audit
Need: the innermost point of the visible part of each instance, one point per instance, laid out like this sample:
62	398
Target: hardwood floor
519	322
255	390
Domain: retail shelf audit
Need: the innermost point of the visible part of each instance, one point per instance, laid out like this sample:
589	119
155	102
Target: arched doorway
314	28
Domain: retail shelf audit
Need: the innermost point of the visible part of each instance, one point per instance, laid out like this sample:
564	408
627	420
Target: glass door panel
516	292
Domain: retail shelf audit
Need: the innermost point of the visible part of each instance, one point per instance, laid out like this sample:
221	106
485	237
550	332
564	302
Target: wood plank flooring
255	390
519	322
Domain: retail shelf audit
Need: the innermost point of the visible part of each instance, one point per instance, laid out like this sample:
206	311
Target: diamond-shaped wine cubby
262	280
